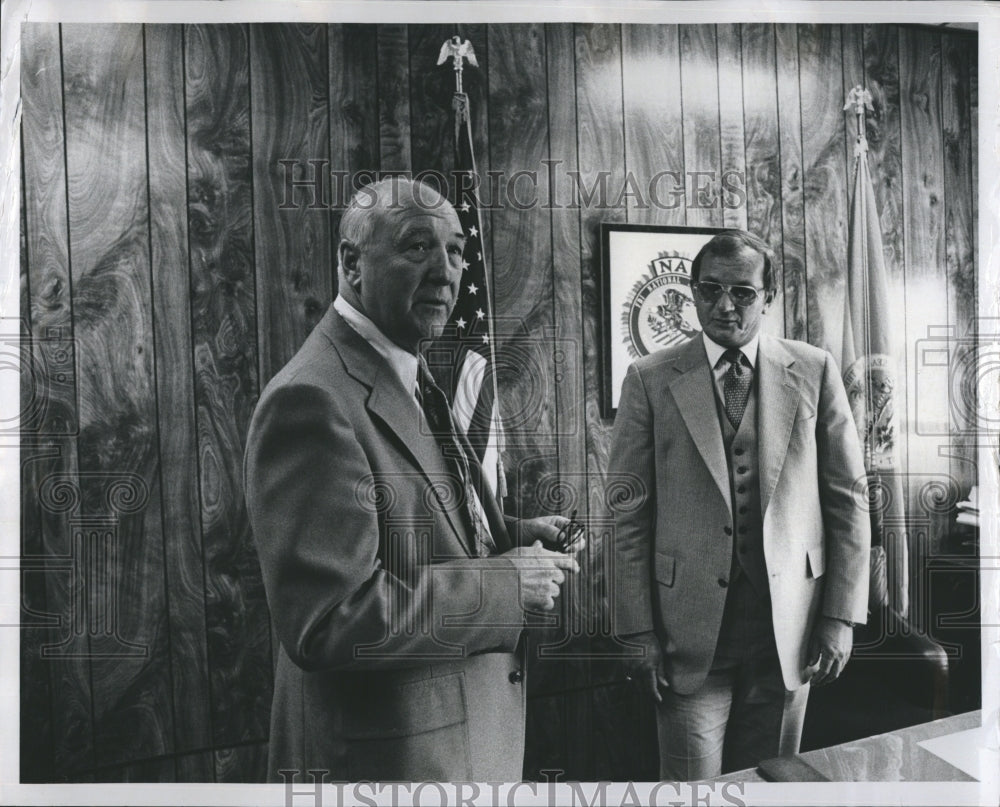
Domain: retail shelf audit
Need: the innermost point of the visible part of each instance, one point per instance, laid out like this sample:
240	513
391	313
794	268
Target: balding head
399	259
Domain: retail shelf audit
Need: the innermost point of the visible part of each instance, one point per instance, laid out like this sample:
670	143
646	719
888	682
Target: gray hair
357	225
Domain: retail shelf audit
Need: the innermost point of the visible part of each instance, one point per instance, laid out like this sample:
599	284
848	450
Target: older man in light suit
741	563
396	590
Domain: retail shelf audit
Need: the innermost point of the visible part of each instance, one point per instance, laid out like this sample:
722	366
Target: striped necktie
435	405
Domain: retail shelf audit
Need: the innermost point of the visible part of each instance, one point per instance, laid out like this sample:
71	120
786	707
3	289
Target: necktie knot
735	358
736	385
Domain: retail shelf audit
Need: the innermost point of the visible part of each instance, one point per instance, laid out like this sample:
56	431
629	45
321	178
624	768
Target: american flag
466	368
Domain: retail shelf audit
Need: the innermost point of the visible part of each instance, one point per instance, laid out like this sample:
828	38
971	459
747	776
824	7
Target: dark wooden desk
891	757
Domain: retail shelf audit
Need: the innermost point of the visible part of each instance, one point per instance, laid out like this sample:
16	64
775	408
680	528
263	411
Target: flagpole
860	97
460	51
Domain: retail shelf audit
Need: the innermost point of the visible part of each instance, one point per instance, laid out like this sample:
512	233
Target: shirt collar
402	362
714	350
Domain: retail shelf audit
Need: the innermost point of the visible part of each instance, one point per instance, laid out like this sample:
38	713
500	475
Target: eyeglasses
711	291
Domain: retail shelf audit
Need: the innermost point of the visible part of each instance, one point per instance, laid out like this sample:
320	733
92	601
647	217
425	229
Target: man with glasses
741	561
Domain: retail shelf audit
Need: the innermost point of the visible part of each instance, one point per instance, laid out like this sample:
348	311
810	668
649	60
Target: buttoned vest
744	489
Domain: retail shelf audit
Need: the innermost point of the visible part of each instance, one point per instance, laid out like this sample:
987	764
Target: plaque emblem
659	310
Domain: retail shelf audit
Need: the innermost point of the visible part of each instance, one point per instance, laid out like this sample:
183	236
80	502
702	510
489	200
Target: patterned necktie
736	385
438	412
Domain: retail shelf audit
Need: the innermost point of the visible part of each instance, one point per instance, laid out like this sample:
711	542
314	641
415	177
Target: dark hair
728	243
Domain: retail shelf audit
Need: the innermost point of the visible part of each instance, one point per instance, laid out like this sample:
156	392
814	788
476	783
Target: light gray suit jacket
670	545
396	642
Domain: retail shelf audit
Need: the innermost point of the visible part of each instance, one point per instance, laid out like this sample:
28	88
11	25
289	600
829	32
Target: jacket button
727	530
516	677
738	452
723	582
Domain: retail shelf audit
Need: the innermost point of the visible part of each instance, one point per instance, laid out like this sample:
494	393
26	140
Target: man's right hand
647	670
541	571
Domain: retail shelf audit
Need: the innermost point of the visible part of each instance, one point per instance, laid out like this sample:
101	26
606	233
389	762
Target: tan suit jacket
396	643
670	542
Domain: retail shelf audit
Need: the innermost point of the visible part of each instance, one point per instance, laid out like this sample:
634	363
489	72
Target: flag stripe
466	367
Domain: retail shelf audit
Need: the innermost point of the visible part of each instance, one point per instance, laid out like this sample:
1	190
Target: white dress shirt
714	352
403	363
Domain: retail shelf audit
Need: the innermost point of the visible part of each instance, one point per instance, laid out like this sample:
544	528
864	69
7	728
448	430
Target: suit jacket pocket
415	731
664	568
815	563
410	708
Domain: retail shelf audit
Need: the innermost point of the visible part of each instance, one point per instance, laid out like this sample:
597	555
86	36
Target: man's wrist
842	621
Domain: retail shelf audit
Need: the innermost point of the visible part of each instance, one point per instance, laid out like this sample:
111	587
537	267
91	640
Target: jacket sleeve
631	489
314	506
843	499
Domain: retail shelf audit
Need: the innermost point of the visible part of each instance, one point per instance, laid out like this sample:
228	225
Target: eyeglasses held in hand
710	291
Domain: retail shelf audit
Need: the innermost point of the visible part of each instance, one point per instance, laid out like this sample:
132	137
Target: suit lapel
395	407
694	394
778	398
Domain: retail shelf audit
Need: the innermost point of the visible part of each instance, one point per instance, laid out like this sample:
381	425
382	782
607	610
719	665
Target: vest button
743	529
727	530
743	509
741	489
516	677
723	582
742	469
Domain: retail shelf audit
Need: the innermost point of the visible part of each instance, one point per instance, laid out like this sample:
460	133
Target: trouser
742	713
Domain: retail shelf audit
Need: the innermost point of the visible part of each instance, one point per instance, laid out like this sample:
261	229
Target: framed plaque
646	296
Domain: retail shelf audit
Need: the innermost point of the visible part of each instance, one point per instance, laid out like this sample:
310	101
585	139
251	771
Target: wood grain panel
545	738
46	530
522	250
654	133
627	747
242	764
825	186
431	88
973	79
763	153
601	156
956	118
290	121
566	484
793	241
731	125
161	769
432	120
289	81
36	690
566	281
926	318
226	385
103	80
168	233
702	146
881	46
354	127
196	767
852	46
393	98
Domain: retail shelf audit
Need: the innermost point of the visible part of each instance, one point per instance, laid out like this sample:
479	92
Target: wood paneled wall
163	285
